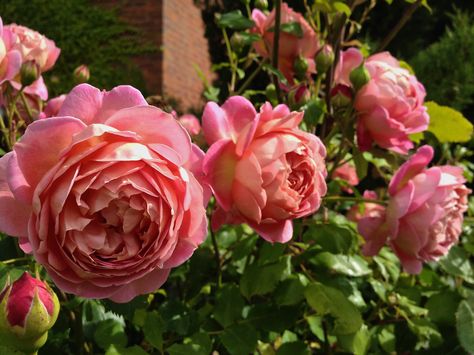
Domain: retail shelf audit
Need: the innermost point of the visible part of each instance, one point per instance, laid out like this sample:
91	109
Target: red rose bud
29	72
359	77
28	309
81	74
298	96
324	59
341	96
301	67
261	4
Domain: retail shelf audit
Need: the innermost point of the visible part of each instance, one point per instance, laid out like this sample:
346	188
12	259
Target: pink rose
368	210
264	171
389	106
105	194
34	46
53	106
190	123
290	46
424	216
10	58
348	174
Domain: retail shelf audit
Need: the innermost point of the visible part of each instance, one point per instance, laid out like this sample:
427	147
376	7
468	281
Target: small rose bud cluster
28	309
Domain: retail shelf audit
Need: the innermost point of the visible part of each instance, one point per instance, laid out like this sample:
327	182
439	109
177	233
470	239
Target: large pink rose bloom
264	171
34	46
290	46
424	216
10	58
105	194
389	106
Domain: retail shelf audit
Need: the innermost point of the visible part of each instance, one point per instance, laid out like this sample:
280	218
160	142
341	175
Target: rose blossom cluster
24	55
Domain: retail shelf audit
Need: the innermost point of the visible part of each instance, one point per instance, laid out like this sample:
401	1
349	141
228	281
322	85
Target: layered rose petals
263	170
425	213
10	57
112	192
390	106
290	46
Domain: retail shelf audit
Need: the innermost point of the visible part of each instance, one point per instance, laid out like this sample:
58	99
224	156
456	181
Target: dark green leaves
239	339
234	20
465	324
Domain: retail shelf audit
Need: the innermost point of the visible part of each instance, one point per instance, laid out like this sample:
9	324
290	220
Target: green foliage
446	68
86	34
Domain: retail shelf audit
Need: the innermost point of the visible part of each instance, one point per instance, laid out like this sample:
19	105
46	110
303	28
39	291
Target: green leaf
293	28
272	318
442	307
427	333
292	348
119	350
153	329
387	339
361	165
235	20
239	339
327	300
249	38
356	343
273	71
465	325
457	263
316	327
108	332
343	264
332	238
229	305
447	124
339	6
314	110
259	280
185	349
290	292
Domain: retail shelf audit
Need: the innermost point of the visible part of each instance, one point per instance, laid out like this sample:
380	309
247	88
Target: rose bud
324	59
28	309
301	67
261	4
81	74
29	72
298	96
359	77
237	42
341	96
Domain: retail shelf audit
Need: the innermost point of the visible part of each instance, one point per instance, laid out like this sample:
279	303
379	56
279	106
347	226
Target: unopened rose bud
359	77
81	74
29	72
237	42
324	59
28	309
298	96
270	92
261	4
341	96
301	67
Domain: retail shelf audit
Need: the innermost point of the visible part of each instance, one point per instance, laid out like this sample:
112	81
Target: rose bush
105	194
425	213
262	168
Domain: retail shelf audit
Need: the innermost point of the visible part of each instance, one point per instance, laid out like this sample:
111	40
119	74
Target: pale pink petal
215	125
278	232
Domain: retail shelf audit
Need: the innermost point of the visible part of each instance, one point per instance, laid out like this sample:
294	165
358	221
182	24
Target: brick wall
176	27
184	44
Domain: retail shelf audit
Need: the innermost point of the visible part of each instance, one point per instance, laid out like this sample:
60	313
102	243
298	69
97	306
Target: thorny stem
27	107
233	65
276	44
251	77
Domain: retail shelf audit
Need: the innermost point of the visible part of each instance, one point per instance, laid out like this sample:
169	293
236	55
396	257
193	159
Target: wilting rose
190	123
424	216
105	194
28	309
53	106
34	46
264	171
10	58
367	210
347	173
290	45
